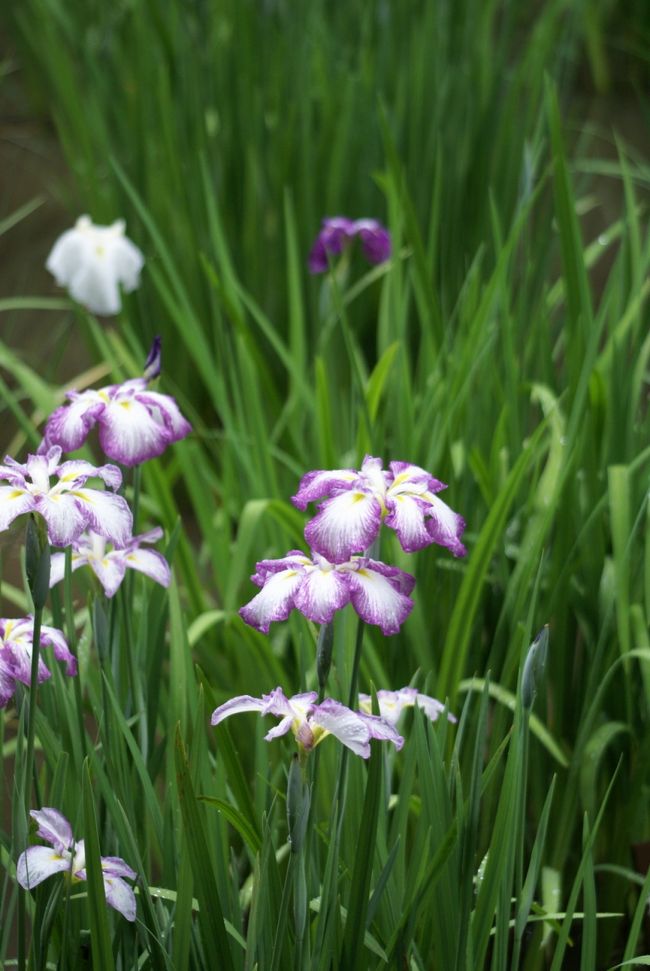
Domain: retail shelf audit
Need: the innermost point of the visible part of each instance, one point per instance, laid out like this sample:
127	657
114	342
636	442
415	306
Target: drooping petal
432	708
348	523
93	284
335	232
274	602
110	571
347	726
115	866
18	656
127	263
410	478
120	896
7	680
50	636
235	706
165	410
70	424
321	594
38	863
281	729
382	730
106	514
129	433
406	516
53	827
321	483
66	255
151	563
57	566
13	503
64	519
401	580
375	240
445	526
378	600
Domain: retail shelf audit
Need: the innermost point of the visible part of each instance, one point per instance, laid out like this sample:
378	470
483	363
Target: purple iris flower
65	855
135	424
68	507
318	588
16	645
357	502
337	232
393	703
110	565
311	723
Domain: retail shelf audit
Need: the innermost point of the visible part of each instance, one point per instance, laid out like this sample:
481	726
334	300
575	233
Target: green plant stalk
72	644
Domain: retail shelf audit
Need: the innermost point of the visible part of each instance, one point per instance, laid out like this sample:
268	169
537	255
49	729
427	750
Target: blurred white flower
92	260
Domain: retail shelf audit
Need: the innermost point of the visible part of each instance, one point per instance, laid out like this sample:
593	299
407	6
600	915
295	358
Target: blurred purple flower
110	566
67	507
318	588
135	424
65	855
393	703
337	232
357	502
16	645
311	723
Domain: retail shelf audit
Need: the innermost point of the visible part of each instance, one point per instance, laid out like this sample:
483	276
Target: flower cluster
337	233
65	855
16	646
92	261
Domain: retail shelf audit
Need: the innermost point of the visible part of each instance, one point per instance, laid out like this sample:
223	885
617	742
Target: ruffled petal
114	866
274	602
152	564
65	521
165	410
382	730
127	263
53	827
377	600
412	479
106	514
347	726
7	680
294	560
321	483
281	729
445	526
346	524
70	424
236	706
120	896
18	657
13	503
38	863
129	433
77	471
406	516
50	636
321	594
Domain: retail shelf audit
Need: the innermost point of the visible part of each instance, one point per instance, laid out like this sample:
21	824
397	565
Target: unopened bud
37	560
534	668
153	364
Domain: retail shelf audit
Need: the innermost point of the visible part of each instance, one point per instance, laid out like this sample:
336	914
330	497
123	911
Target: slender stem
355	666
71	635
33	697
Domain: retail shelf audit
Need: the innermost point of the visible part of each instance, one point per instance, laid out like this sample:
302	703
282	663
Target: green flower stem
71	636
33	697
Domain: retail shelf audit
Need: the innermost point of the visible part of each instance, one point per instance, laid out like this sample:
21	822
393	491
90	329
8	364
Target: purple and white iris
311	722
65	855
110	565
393	703
92	261
16	645
68	507
135	424
318	588
336	234
357	502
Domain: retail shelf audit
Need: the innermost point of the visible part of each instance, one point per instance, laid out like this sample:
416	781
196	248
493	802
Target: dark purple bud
153	364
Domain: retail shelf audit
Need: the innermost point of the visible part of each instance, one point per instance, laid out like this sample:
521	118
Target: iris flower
393	703
65	855
318	588
92	261
311	723
336	234
135	424
357	502
68	507
110	566
16	645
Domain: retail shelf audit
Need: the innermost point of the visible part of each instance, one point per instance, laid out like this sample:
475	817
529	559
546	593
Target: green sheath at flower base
297	805
534	668
37	561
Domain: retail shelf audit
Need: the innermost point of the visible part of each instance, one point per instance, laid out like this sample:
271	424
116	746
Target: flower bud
37	561
534	668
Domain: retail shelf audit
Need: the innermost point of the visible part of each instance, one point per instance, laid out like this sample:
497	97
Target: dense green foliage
500	348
